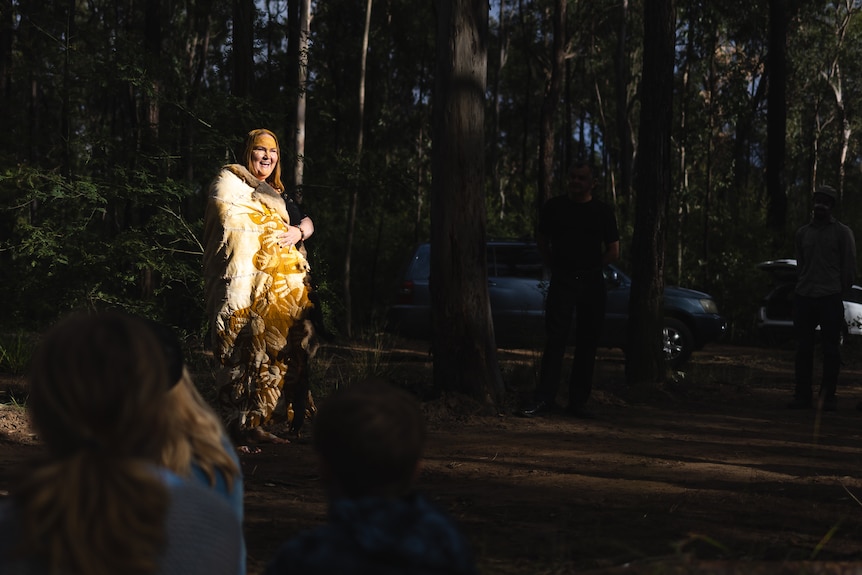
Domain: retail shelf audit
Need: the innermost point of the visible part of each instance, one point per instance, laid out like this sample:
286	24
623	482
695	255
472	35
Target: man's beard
822	212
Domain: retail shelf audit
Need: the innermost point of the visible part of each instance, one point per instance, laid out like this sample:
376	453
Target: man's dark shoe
535	408
829	403
797	403
580	412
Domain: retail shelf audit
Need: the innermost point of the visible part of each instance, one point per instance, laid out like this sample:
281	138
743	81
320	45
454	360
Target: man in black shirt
826	260
577	236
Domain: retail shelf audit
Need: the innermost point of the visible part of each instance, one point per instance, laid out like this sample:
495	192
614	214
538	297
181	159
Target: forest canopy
118	113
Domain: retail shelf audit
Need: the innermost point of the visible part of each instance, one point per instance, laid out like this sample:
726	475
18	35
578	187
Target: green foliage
15	352
79	243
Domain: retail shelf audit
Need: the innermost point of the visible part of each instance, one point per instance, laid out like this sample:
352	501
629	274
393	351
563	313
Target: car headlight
709	306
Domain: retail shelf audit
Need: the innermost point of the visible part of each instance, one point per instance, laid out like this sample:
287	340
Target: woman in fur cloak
257	290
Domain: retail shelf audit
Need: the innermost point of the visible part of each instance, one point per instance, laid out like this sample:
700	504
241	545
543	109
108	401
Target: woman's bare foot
260	435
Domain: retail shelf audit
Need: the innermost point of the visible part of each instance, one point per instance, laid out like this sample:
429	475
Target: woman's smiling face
264	156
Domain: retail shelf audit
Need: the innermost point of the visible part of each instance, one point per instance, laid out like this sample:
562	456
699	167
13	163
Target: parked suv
517	286
775	314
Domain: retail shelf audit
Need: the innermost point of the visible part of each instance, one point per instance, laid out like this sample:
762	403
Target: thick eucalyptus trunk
465	351
644	355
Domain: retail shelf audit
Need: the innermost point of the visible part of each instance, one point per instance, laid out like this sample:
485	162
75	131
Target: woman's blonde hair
199	436
274	178
95	504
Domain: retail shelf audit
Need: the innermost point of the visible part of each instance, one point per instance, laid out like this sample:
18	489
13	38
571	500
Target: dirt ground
707	474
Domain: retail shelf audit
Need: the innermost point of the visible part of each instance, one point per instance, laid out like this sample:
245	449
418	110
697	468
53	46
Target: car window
420	265
854	295
516	260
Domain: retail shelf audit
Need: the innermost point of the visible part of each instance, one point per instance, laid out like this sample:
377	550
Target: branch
185	225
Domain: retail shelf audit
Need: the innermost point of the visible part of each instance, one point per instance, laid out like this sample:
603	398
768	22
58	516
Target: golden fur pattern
257	297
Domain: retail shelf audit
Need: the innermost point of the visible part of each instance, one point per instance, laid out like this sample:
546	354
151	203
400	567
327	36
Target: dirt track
708	474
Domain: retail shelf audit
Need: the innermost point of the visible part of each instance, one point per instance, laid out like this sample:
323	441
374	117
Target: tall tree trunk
496	181
526	150
844	133
291	82
816	135
153	51
682	187
150	128
7	34
65	120
742	149
550	104
711	112
776	117
465	351
354	197
644	354
420	182
243	47
199	32
363	57
844	15
624	131
302	97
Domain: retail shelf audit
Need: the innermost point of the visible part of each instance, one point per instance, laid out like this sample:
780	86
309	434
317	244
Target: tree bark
776	117
65	113
624	131
644	354
496	182
7	35
153	51
243	47
291	81
354	197
526	151
301	98
149	138
844	16
199	32
682	185
465	351
553	89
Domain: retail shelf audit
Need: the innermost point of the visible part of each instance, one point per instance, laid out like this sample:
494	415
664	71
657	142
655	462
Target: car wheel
677	341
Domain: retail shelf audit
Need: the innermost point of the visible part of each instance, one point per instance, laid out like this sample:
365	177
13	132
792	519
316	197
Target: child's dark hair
371	435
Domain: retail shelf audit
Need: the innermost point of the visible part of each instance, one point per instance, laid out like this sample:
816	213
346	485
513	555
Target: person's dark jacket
378	536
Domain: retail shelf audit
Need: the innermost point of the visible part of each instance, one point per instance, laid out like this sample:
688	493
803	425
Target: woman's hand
296	233
291	237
